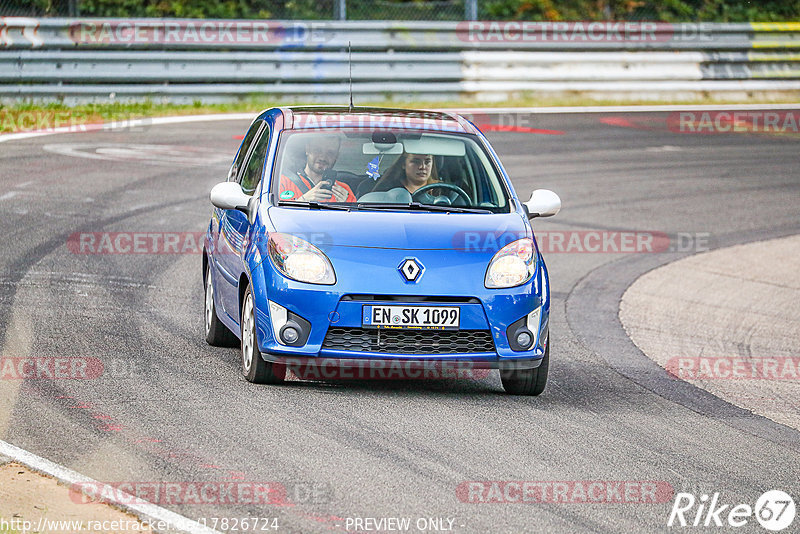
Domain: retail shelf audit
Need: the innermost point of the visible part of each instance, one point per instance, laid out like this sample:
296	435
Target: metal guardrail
218	60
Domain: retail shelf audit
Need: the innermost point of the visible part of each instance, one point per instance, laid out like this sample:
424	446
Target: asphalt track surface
170	408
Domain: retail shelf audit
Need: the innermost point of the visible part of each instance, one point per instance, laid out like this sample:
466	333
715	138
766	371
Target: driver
307	184
411	171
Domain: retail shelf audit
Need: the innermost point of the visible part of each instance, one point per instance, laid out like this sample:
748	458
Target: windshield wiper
417	206
314	205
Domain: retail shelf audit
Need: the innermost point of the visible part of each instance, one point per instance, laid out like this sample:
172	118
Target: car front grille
387	341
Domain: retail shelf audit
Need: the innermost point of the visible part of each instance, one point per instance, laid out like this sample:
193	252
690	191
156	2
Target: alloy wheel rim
209	303
247	335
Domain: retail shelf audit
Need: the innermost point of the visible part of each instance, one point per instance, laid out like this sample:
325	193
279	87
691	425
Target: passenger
307	184
411	171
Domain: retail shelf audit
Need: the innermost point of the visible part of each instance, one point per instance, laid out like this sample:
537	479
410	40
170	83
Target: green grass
23	116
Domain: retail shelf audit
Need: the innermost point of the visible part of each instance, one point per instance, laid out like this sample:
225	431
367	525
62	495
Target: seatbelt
295	178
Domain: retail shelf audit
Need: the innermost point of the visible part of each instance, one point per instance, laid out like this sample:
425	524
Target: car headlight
513	265
299	260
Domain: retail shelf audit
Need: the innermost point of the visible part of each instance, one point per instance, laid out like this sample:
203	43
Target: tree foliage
657	10
533	10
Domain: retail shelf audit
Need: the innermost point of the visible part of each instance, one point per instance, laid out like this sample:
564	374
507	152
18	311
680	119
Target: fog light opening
523	334
524	339
289	335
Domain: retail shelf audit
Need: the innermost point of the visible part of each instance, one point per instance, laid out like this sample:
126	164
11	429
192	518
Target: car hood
400	230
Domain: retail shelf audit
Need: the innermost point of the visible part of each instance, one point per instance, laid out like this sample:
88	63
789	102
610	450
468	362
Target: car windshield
425	171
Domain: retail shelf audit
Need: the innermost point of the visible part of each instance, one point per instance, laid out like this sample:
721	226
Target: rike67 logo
774	510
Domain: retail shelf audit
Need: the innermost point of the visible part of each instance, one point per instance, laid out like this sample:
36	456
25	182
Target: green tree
658	10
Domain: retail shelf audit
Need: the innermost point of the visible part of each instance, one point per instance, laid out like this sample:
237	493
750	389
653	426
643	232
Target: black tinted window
248	140
255	165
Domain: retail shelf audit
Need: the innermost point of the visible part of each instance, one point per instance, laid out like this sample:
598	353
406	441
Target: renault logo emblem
411	269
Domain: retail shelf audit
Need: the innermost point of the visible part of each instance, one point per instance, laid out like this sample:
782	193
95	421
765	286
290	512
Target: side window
478	173
255	165
248	140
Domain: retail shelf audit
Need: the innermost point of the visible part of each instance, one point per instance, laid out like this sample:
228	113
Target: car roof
308	117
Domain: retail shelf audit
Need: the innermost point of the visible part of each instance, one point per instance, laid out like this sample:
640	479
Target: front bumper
485	314
407	364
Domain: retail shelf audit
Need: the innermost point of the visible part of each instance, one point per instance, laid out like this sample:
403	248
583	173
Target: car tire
217	334
254	368
527	381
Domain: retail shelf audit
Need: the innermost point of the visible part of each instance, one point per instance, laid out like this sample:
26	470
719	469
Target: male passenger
307	184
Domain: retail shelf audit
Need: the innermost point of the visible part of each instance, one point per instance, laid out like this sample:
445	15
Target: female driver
411	171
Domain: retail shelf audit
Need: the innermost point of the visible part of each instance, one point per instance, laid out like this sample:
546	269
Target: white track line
486	111
133	123
143	510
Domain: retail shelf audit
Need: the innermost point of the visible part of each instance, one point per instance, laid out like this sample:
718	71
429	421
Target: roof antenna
350	65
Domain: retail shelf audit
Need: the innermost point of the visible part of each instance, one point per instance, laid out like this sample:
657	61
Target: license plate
411	317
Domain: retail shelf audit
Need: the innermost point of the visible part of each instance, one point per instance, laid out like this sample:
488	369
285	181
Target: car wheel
527	381
217	334
254	368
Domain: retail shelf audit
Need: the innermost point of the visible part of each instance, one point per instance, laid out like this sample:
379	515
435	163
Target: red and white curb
485	111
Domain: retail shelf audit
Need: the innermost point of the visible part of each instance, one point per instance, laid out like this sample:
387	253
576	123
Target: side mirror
543	203
229	196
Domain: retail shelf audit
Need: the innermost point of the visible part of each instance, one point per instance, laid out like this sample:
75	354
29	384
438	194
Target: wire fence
418	10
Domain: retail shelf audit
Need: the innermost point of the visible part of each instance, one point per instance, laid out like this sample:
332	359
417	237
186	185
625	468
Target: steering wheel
457	192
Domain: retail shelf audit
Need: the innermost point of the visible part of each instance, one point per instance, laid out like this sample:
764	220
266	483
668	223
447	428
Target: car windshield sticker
287	194
372	168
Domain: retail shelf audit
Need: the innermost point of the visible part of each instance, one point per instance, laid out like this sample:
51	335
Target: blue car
367	238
